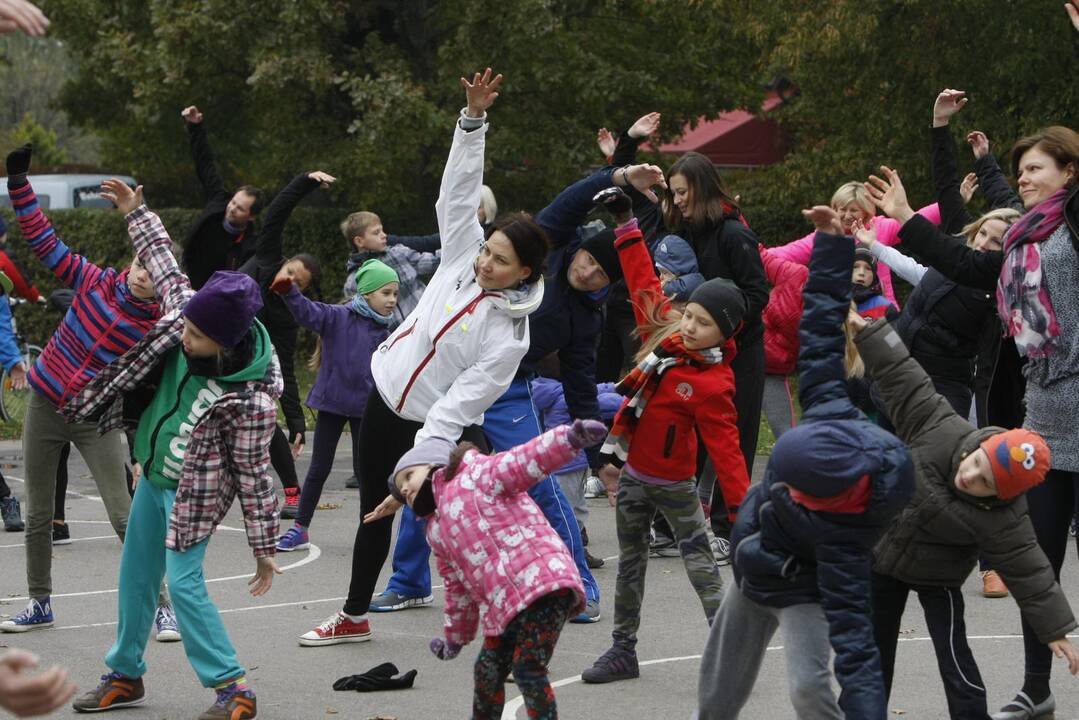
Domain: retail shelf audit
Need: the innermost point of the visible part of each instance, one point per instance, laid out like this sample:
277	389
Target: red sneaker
337	629
292	504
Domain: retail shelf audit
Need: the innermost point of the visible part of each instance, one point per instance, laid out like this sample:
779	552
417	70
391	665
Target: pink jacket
887	234
783	313
494	546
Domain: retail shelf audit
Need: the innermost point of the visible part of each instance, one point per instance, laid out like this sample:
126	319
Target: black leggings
328	429
281	459
1052	506
384	438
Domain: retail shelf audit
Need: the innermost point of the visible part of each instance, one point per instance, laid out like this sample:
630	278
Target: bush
102	237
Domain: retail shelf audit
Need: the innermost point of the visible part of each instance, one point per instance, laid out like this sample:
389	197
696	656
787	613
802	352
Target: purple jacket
348	340
550	402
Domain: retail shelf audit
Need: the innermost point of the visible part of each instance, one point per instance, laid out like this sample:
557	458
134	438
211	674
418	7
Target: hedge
102	237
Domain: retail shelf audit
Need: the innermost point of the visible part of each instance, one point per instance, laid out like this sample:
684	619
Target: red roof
735	139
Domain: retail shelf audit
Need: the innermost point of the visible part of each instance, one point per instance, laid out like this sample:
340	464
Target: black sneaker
663	546
584	536
593	562
352	483
12	514
61	535
618	663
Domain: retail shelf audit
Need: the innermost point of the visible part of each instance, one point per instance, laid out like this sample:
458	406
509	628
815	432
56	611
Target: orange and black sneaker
235	702
115	691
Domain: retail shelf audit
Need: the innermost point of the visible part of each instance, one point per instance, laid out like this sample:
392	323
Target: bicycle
13	402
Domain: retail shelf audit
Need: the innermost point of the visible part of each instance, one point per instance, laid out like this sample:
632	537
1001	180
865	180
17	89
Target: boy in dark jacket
867	292
968	502
804	536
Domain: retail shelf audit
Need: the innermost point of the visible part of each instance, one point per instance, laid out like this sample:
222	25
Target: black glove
615	200
18	165
377	678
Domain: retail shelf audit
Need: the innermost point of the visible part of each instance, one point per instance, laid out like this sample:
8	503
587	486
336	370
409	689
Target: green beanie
372	275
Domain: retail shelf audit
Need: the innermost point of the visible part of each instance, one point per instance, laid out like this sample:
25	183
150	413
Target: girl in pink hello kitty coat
496	550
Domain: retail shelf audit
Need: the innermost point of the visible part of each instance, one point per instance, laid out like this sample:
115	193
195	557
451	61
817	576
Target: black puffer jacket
938	537
784	554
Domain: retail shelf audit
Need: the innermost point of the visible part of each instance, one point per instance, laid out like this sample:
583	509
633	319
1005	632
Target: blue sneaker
295	539
391	601
166	629
590	614
36	615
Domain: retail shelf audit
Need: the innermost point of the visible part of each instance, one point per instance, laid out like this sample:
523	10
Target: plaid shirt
227	454
410	265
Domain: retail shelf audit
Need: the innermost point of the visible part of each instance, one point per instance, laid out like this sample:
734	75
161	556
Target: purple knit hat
225	307
432	451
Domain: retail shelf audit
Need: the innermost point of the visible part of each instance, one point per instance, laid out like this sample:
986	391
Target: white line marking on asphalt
74	540
312	555
509	710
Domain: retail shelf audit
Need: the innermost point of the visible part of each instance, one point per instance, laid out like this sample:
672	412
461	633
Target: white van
60	192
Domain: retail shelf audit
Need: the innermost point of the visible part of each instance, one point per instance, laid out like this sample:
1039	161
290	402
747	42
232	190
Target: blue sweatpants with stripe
510	421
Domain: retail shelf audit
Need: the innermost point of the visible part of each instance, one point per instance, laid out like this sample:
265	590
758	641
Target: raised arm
271	243
205	166
517	469
950	255
639	272
904	266
953	210
462	179
308	313
991	178
420	243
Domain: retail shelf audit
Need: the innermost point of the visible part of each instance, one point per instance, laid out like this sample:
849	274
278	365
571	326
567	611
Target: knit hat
824	459
724	301
1019	458
374	274
674	255
225	307
432	451
861	252
601	247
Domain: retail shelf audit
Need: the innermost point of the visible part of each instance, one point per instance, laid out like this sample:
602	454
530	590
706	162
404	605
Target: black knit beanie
601	247
724	301
861	252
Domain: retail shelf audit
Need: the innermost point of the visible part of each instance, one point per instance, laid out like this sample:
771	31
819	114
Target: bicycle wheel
12	401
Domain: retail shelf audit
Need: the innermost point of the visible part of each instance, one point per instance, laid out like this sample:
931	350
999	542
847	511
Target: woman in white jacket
453	356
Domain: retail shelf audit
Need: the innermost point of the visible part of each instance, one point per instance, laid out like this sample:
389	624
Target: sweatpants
735	650
328	429
45	434
943	606
525	647
637	503
572	484
510	421
281	459
1051	506
778	404
145	561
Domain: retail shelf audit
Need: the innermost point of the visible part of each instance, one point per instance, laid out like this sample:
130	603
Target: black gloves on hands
617	202
18	166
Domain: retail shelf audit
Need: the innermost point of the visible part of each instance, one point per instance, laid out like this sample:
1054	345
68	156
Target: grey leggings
778	404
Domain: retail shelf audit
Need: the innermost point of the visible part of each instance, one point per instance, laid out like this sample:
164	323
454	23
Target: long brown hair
661	321
708	194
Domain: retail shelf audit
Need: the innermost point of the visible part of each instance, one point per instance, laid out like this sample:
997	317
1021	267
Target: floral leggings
526	647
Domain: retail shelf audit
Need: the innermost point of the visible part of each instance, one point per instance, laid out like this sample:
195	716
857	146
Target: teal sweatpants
144	562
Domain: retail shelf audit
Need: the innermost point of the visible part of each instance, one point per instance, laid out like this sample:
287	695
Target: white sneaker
593	487
721	548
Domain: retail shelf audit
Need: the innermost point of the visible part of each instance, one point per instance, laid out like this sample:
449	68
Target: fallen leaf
897	711
331	711
328	506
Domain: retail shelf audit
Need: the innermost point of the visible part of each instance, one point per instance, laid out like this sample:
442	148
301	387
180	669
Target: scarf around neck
360	306
1023	301
641	384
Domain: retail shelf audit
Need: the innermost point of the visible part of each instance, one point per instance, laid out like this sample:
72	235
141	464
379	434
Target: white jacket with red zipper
458	351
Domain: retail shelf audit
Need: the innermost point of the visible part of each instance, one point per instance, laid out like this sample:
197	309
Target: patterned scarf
1022	299
360	306
641	384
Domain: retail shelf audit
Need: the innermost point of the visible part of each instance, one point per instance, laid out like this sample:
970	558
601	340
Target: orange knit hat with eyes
1020	460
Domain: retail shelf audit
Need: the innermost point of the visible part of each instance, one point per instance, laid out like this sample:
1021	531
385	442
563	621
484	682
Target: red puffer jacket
783	313
688	398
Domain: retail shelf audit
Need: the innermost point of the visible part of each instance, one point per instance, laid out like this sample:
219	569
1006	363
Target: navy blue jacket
567	321
785	554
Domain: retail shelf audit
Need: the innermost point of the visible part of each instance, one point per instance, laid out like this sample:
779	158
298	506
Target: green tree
46	150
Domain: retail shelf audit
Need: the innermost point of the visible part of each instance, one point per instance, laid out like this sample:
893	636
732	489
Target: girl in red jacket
683	382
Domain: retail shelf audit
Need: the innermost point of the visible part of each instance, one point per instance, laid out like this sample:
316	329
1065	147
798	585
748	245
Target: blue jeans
144	562
510	421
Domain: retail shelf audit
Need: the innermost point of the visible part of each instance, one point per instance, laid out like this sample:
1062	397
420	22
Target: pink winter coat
494	546
783	313
887	234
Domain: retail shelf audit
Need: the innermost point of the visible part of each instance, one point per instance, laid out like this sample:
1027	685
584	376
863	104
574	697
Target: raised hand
606	142
824	219
948	103
968	187
481	93
865	235
644	177
645	125
121	195
18	161
889	194
323	179
1073	12
262	580
979	144
586	433
192	115
22	15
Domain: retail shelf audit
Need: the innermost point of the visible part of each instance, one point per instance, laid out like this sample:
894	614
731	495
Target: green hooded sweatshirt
181	400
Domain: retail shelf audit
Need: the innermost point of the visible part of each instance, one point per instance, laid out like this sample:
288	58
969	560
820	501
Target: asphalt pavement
296	682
